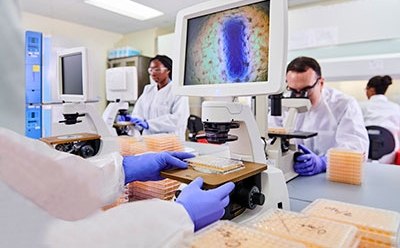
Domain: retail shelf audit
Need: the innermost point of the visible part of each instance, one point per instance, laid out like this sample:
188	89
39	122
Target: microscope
224	51
121	88
258	187
81	132
281	152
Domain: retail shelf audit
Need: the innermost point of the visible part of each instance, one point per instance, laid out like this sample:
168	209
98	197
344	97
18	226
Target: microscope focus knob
255	197
86	151
258	198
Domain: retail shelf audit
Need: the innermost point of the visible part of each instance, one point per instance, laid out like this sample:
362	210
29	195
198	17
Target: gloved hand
139	122
124	118
205	206
135	120
309	163
147	167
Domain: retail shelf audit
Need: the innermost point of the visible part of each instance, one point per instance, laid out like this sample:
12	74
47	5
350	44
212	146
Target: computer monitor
72	74
122	83
231	48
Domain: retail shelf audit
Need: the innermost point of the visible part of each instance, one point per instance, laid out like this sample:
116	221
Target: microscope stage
61	139
214	180
291	135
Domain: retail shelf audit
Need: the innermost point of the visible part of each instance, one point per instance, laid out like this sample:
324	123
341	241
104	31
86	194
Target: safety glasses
157	70
303	93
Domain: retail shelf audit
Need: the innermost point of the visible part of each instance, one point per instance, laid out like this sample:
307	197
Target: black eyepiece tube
276	104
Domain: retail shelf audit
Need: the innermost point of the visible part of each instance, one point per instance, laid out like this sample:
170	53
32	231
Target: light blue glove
309	163
205	206
147	167
135	120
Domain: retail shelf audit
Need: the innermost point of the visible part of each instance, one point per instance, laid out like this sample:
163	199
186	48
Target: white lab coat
379	111
52	199
338	120
164	111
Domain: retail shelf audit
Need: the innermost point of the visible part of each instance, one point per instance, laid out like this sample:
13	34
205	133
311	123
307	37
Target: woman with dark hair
158	109
379	111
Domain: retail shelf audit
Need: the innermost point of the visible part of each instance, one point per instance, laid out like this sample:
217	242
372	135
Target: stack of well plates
163	142
309	230
164	189
131	145
229	234
377	227
344	166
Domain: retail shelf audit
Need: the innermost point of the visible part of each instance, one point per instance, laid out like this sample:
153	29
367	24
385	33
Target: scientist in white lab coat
158	109
379	111
335	116
53	199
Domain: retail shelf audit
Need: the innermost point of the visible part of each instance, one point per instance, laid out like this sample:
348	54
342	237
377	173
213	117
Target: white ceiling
77	11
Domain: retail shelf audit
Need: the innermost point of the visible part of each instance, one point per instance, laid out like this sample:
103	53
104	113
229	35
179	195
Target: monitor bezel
277	52
130	80
73	97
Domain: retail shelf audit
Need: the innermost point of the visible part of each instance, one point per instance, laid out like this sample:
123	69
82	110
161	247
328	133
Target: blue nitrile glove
139	122
205	206
124	118
135	120
309	163
147	167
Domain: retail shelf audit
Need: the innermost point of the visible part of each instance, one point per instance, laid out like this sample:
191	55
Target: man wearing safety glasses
335	116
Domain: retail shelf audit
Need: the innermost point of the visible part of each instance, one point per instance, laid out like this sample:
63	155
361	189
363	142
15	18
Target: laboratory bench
379	188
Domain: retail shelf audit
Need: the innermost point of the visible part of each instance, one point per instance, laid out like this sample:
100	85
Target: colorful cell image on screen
230	46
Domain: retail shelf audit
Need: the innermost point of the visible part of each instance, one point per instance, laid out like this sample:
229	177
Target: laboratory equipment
79	115
224	234
281	152
33	81
309	230
83	144
377	227
228	49
345	166
121	88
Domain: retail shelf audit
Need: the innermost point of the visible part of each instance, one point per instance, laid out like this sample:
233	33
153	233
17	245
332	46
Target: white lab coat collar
379	97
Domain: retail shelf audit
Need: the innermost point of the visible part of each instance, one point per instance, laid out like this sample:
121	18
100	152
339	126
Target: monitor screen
231	48
72	74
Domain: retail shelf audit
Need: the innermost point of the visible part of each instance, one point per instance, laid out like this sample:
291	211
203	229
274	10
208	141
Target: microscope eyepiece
276	104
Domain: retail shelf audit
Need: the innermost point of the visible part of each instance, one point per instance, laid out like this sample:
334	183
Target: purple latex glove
147	167
309	163
205	206
139	122
124	118
135	120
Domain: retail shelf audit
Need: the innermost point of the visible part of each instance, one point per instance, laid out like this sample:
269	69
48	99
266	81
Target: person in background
53	199
158	109
335	116
379	111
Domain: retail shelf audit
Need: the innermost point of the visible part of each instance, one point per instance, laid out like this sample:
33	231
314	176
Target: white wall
337	30
357	89
65	35
343	22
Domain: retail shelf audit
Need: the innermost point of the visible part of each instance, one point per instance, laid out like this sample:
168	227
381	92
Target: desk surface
380	188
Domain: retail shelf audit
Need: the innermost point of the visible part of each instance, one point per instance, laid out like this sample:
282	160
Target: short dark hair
302	64
166	61
379	83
